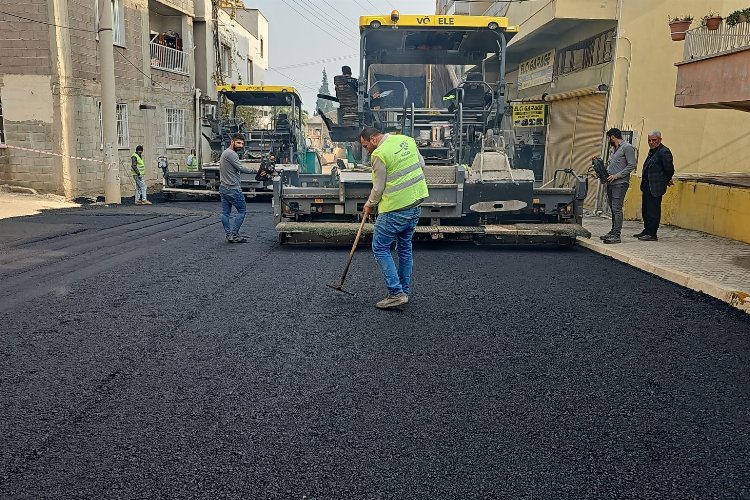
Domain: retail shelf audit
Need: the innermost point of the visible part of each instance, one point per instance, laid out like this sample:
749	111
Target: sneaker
138	202
612	239
236	238
230	238
642	233
605	236
392	301
648	237
146	202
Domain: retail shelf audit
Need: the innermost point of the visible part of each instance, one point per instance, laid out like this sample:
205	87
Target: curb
735	298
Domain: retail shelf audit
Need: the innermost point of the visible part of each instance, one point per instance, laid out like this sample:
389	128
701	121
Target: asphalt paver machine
270	120
413	81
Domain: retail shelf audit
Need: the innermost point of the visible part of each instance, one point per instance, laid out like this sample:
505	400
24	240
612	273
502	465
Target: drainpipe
615	113
197	129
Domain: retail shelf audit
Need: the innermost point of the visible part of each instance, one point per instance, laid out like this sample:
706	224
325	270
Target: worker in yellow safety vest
192	161
398	188
138	166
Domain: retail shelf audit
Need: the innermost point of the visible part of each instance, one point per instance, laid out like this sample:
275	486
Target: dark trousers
651	209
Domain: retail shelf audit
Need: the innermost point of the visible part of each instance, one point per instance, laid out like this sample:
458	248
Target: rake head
339	287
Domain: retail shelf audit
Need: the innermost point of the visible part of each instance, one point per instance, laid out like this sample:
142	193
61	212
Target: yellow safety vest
192	164
139	163
404	182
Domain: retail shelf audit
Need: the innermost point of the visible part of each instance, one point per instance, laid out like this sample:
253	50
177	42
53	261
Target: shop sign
536	71
529	115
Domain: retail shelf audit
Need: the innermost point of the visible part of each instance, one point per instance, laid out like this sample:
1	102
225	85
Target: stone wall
25	45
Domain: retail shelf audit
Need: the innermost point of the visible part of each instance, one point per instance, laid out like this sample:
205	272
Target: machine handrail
406	97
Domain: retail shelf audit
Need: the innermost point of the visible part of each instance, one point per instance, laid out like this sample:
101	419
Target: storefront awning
592	90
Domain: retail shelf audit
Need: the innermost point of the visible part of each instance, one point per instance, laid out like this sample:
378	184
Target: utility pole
109	107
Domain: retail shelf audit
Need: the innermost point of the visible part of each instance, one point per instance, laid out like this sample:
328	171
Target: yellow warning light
535	201
394	15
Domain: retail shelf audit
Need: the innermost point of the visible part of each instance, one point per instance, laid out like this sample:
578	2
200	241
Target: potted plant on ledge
712	20
738	16
679	25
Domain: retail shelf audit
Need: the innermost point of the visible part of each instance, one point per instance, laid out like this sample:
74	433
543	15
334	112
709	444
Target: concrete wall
57	111
642	99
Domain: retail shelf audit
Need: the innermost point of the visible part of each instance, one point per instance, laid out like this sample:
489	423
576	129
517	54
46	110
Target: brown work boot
146	202
138	202
392	301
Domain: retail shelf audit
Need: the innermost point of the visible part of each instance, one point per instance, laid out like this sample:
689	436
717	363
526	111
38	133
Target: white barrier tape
53	154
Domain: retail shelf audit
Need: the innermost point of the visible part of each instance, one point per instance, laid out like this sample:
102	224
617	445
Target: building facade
611	63
50	95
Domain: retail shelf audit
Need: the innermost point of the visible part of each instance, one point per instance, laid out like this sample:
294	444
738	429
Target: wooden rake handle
354	248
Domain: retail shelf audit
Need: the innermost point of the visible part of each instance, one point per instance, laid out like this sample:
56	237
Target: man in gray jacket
621	164
231	190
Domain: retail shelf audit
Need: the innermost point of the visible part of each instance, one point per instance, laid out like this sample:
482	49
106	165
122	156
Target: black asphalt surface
142	356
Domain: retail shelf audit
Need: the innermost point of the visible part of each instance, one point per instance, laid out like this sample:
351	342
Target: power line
322	17
319	61
319	26
364	9
46	23
375	7
293	80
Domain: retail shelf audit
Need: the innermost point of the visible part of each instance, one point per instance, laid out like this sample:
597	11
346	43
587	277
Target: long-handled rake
340	285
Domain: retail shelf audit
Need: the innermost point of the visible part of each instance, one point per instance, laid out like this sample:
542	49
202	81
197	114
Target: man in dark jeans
658	170
621	164
231	190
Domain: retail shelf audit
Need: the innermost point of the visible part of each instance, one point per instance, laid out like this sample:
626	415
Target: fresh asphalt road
142	356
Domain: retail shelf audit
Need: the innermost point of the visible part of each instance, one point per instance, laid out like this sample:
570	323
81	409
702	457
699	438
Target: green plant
679	19
738	16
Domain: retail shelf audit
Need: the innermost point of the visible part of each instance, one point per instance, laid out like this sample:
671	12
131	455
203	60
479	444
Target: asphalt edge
735	298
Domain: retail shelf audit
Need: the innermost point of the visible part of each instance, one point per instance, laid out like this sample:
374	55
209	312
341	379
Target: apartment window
175	128
2	124
249	71
226	60
118	21
123	132
261	47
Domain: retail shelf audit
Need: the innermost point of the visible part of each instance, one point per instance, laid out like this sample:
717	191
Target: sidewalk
20	204
710	264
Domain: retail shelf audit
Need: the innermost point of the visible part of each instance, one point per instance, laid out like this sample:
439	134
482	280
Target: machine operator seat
346	93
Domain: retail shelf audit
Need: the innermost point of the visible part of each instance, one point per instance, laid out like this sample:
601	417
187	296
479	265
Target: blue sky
304	32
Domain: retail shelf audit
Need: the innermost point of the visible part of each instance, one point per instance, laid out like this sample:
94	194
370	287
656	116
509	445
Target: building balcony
542	24
169	59
713	74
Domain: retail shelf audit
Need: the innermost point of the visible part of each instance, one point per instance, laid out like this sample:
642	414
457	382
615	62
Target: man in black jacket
658	170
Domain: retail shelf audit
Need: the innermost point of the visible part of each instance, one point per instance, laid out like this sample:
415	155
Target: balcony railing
169	59
702	42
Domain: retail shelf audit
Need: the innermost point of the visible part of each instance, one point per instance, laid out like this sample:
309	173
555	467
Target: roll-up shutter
575	134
